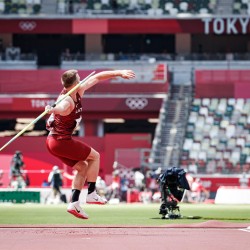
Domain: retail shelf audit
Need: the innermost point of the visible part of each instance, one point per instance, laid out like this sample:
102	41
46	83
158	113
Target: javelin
46	111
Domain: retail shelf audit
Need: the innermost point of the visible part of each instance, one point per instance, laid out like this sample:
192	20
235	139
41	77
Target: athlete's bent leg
92	173
80	177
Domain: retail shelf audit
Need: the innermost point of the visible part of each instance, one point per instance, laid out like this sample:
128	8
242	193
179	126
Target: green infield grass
122	214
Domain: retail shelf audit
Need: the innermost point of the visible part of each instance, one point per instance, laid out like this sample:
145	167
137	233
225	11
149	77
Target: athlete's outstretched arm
105	75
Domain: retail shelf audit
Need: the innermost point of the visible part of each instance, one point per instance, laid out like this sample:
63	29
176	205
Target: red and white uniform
60	142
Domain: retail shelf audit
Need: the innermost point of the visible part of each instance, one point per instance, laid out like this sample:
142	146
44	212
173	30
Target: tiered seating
122	6
20	6
153	7
188	6
217	136
241	7
148	7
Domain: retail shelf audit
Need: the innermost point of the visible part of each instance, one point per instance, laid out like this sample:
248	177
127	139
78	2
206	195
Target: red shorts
69	151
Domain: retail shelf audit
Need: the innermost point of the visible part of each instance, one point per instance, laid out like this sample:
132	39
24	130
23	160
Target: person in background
17	164
188	193
101	186
1	176
55	181
12	53
67	55
114	5
71	7
139	180
114	188
17	178
244	180
199	192
124	187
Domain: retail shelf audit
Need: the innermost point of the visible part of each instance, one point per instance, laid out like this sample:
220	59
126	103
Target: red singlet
60	142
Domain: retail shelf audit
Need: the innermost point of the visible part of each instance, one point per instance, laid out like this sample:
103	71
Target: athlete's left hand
127	74
48	108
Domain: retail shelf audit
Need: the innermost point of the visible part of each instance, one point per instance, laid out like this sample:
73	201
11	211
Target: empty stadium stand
241	7
148	7
134	7
217	136
152	7
20	6
26	61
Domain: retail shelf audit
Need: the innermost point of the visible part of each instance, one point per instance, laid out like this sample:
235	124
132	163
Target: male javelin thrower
63	120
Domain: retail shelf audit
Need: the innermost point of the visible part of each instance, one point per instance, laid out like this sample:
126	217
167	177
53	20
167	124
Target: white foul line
246	229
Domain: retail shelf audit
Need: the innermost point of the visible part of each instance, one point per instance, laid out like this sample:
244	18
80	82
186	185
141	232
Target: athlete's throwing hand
127	74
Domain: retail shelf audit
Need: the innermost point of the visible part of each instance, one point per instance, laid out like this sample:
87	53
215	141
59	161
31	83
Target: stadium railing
24	61
155	56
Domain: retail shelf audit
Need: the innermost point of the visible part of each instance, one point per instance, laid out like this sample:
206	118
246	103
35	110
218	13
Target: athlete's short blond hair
69	77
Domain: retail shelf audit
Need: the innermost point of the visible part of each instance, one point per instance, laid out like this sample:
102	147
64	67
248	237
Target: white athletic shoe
94	198
75	209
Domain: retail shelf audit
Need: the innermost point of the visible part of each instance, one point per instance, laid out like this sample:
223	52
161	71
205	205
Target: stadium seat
203	11
183	7
214	104
210	120
169	6
193	155
97	7
231	101
61	7
224	124
192	118
188	144
173	11
214	131
203	111
212	4
205	144
2	7
205	102
226	155
230	131
235	157
202	156
196	146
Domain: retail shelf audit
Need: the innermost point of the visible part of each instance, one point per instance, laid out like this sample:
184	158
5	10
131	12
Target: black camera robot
173	183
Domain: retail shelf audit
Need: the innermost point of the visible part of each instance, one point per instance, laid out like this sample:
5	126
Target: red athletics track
212	235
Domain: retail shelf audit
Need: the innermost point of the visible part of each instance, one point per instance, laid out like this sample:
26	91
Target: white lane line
245	229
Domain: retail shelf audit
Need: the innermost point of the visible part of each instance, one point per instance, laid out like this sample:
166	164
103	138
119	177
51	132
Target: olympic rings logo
136	103
27	26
